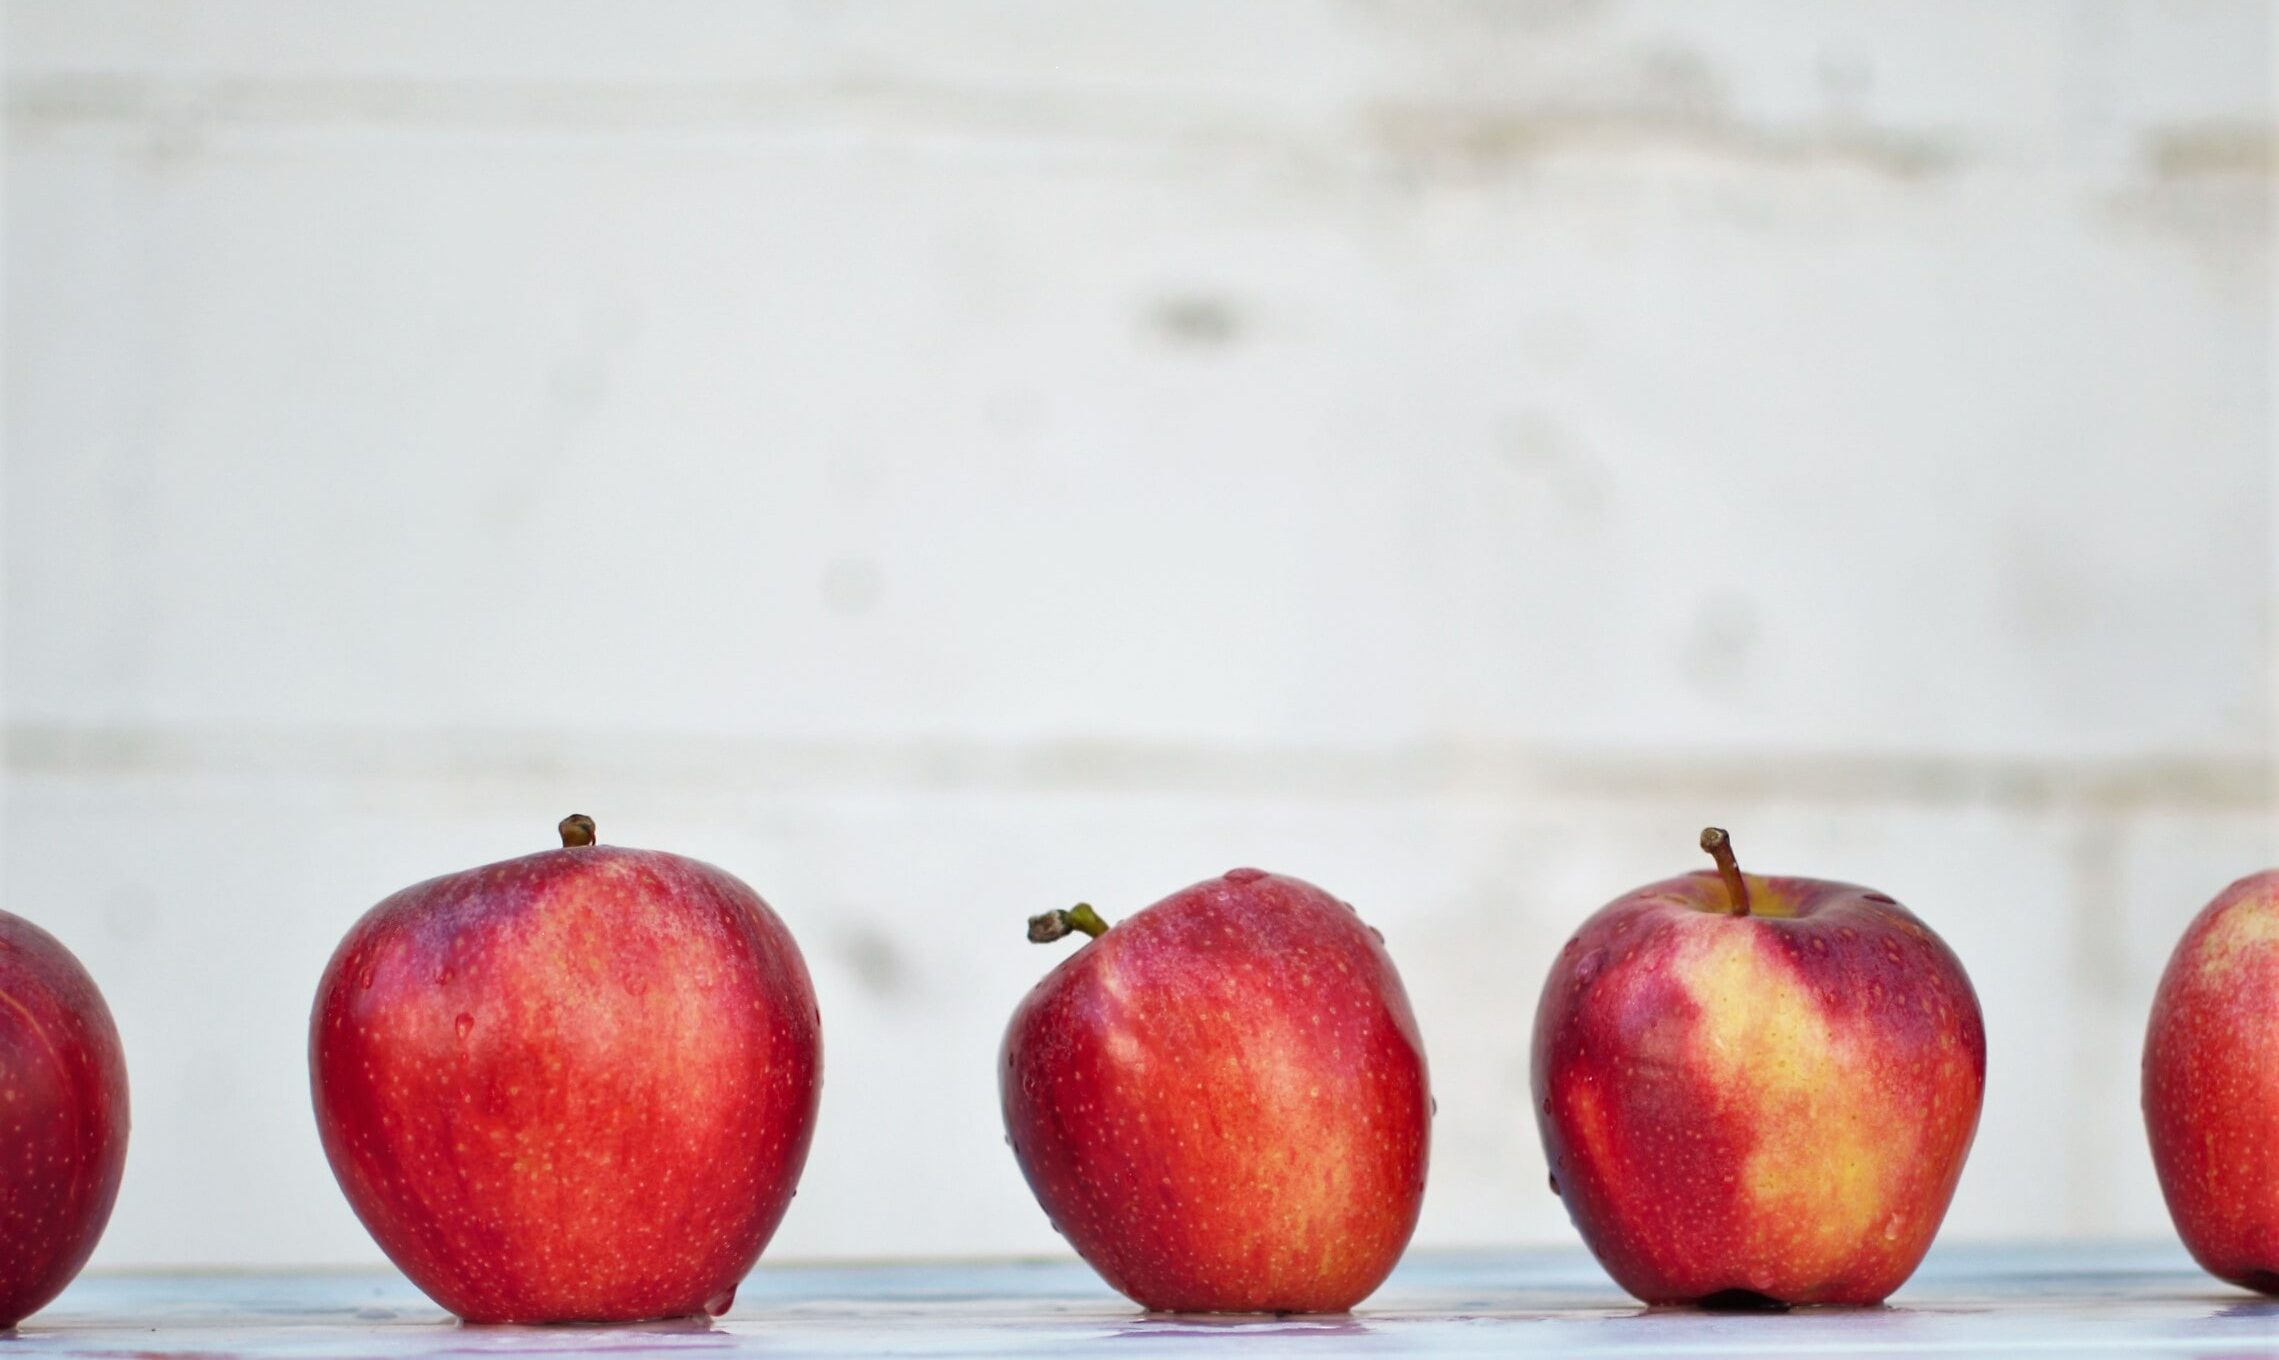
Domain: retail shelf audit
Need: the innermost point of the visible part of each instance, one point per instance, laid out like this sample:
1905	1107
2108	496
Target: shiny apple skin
577	1086
2211	1085
1222	1102
1779	1104
63	1118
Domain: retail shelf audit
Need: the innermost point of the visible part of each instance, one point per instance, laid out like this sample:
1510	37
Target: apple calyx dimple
1054	925
1719	844
577	831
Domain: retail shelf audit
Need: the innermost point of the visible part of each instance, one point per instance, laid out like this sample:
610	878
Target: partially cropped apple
63	1118
2211	1084
1757	1091
1221	1102
576	1086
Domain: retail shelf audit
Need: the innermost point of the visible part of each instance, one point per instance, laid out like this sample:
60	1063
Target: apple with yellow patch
2211	1084
1757	1091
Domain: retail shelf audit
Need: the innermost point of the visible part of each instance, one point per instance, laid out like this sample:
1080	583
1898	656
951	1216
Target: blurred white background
944	461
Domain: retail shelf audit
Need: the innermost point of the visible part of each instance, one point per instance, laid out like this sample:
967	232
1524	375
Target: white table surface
1967	1300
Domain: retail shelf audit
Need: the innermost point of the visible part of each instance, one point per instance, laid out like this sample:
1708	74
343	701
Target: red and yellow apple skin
1222	1102
1772	1105
63	1118
576	1086
2211	1085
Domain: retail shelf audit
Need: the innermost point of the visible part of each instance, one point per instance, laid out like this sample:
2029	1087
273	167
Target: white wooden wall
944	461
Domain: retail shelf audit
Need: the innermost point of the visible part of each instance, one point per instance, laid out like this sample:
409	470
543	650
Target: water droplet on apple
1435	1102
1245	875
465	1024
721	1302
443	978
1587	967
364	979
1880	897
1554	1182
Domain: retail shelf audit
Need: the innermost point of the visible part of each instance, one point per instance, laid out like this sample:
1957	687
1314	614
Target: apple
63	1118
572	1087
1757	1091
2211	1084
1221	1102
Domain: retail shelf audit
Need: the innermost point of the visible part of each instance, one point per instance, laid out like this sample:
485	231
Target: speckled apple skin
1778	1103
577	1086
1222	1103
2211	1085
63	1117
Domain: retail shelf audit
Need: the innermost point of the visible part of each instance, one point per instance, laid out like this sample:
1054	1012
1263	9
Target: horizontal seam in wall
1465	771
1390	127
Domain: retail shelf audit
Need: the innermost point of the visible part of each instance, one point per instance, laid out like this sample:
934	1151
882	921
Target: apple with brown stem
1757	1091
577	1086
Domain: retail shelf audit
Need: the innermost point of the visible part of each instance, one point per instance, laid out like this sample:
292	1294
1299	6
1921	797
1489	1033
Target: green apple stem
1053	925
577	830
1720	848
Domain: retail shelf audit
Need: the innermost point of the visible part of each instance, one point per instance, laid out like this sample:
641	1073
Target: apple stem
1053	925
1720	848
577	830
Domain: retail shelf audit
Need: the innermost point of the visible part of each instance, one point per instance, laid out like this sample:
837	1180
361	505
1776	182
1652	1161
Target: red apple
63	1118
1757	1091
576	1086
1221	1102
2211	1084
